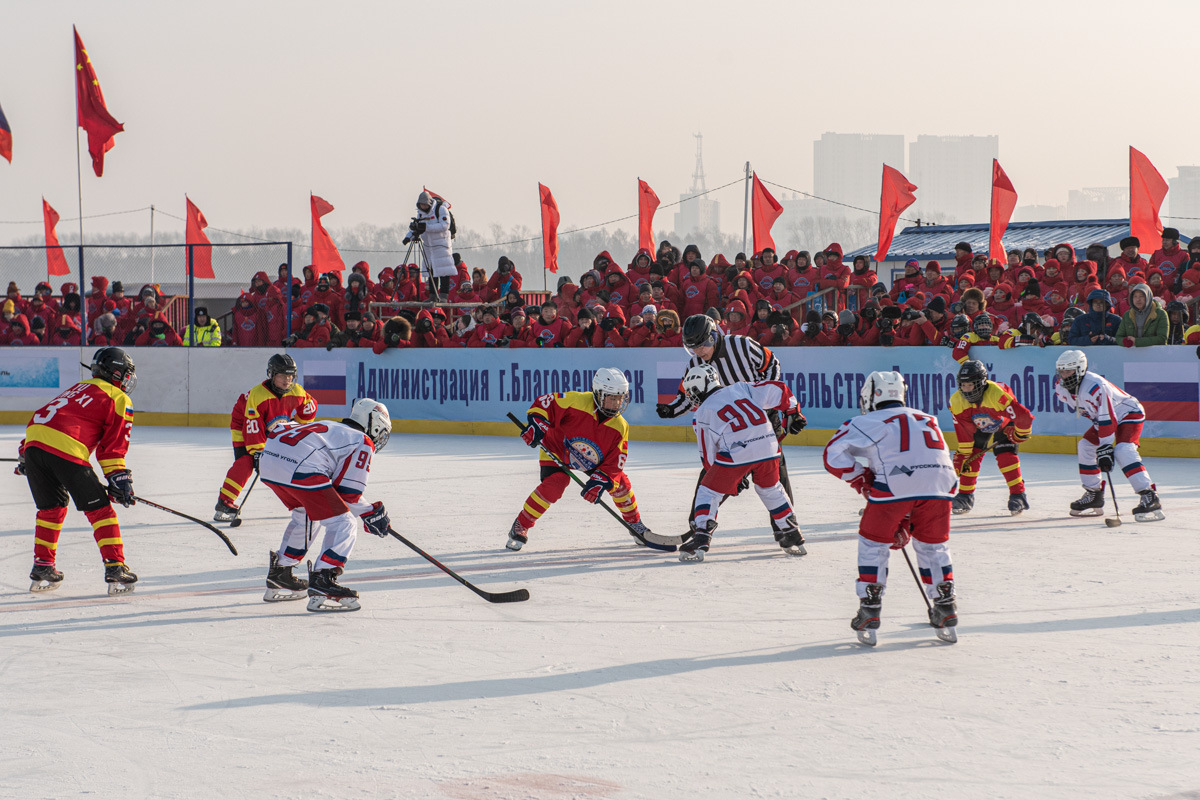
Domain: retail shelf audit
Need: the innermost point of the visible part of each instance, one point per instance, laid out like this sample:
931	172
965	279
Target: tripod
422	263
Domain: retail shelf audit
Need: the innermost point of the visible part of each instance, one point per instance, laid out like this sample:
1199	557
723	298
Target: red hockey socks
107	532
540	500
45	534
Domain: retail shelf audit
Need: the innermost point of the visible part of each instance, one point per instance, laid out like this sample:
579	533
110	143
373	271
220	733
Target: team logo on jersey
985	423
583	453
691	290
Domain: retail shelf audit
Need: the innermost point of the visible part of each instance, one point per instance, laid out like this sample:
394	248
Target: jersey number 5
933	436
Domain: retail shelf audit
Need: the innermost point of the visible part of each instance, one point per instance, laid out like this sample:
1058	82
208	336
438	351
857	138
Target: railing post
289	289
84	332
191	317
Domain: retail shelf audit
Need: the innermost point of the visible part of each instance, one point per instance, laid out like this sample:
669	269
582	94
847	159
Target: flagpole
79	195
545	286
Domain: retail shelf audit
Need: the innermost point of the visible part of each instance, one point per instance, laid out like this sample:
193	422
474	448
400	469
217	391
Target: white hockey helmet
699	382
1071	367
606	383
882	387
372	416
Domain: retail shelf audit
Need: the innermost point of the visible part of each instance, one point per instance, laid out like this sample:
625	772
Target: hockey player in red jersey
908	481
319	470
93	415
278	397
587	432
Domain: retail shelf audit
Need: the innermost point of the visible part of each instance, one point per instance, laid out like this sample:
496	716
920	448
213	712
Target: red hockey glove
862	484
962	459
535	431
903	537
598	483
1014	436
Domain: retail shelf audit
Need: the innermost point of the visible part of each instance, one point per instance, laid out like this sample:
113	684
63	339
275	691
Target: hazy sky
247	106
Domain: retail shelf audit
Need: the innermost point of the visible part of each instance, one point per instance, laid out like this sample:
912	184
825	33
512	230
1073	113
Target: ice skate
326	594
282	584
119	579
944	614
866	622
963	503
1149	509
1017	503
45	578
224	512
693	550
638	531
516	536
791	540
1090	505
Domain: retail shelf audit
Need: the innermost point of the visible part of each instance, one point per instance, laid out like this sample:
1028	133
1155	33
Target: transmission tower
698	176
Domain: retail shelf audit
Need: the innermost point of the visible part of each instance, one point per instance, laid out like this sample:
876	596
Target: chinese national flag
1004	200
5	138
647	205
202	253
550	220
1146	192
91	113
764	209
325	255
895	196
56	262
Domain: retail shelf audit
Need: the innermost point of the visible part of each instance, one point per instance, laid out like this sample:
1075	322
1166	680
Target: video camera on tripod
415	229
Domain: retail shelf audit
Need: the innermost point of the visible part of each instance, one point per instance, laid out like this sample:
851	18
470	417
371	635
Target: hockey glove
1013	436
796	422
120	487
961	460
743	484
1104	457
664	410
598	483
256	456
862	484
19	469
535	431
376	520
902	536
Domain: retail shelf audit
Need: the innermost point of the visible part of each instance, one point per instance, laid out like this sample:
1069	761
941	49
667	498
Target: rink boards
469	391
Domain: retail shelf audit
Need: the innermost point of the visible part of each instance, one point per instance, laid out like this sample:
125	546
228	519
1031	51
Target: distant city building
848	168
1106	202
1039	213
700	214
1183	198
953	175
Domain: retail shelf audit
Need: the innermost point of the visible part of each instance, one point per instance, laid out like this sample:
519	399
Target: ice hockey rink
627	674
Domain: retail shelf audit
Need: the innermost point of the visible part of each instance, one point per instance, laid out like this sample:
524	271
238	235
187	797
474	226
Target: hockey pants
53	481
1006	459
313	510
555	481
236	477
720	482
1125	456
926	521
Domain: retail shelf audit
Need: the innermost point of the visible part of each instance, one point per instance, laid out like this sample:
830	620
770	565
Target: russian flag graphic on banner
1168	395
326	381
669	374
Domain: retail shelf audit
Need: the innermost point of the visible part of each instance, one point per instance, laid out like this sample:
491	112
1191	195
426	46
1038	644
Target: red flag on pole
1146	192
90	112
764	209
5	137
1004	200
647	205
550	220
895	196
56	262
325	255
202	254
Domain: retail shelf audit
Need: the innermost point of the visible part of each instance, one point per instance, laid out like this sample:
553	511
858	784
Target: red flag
325	255
1146	192
5	137
896	195
436	196
764	209
56	262
1004	200
550	220
90	112
647	205
201	255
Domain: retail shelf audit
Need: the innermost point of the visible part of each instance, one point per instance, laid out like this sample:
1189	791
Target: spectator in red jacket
247	329
639	269
802	277
316	330
158	333
963	258
667	334
281	279
357	297
1129	260
492	332
397	335
907	284
564	302
766	272
326	294
104	329
1154	277
834	273
586	333
36	309
364	269
779	297
309	287
699	291
372	330
915	329
737	317
974	304
97	296
384	290
503	280
427	332
1003	304
589	287
464	292
66	291
613	331
19	332
718	269
1170	257
1084	281
862	278
620	291
549	329
1052	273
67	332
660	297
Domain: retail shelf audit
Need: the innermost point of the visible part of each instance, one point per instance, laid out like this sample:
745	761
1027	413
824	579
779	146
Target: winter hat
504	264
933	266
118	288
12	288
846	317
584	314
938	304
650	309
963	246
1131	241
1170	233
352	315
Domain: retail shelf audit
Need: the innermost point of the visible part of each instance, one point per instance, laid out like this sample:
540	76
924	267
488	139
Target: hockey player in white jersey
736	439
909	482
319	471
1112	440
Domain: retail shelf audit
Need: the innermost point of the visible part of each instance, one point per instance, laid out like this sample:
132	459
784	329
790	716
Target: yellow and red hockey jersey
995	411
578	436
91	415
258	409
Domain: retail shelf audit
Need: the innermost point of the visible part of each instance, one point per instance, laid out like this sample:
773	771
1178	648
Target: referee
737	359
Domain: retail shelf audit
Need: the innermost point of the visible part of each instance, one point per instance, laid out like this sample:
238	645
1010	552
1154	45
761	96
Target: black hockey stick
668	544
224	538
237	518
515	596
1109	521
924	596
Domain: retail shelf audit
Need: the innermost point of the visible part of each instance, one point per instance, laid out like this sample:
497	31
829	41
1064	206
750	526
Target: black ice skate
516	536
866	622
119	579
45	578
1090	505
944	614
963	503
1017	503
282	584
1149	509
790	538
693	550
224	512
326	594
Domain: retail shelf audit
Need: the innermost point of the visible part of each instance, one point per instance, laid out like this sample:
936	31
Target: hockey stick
1109	521
515	596
654	541
14	460
924	596
237	518
224	538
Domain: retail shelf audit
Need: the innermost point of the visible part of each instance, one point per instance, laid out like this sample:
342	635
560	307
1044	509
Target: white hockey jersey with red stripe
1102	404
902	446
320	455
732	426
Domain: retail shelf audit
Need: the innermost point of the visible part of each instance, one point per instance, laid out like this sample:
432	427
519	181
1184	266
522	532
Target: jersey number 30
933	436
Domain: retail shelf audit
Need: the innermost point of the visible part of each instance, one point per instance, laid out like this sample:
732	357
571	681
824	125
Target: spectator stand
385	309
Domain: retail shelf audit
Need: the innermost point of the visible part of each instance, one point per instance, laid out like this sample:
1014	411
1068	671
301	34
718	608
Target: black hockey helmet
699	330
973	372
281	364
114	365
982	325
960	325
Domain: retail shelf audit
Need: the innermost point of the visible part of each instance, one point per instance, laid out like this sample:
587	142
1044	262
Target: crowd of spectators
804	299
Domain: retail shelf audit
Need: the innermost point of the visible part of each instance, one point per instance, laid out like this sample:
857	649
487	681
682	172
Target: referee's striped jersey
737	359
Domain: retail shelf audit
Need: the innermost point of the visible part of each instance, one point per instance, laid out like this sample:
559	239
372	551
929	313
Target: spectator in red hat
1005	305
19	333
385	290
1155	277
621	292
66	333
638	271
248	329
464	292
1083	282
97	296
908	283
613	330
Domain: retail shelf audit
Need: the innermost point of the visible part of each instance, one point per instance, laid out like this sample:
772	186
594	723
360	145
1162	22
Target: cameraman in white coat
431	228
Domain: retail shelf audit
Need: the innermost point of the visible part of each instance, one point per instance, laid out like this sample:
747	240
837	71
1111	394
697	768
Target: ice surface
628	674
